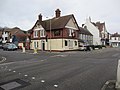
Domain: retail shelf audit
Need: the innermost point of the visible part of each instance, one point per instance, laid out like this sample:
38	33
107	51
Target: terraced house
91	27
115	40
14	35
59	33
103	33
85	37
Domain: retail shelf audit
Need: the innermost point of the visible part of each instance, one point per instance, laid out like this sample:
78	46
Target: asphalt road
75	70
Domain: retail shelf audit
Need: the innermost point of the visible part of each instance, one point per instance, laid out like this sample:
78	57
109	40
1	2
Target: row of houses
115	40
14	35
60	33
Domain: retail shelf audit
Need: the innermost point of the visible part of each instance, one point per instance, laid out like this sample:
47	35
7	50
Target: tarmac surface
75	70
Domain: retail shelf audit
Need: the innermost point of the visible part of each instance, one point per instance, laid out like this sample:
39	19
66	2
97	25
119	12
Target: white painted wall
5	34
115	42
94	31
56	44
71	24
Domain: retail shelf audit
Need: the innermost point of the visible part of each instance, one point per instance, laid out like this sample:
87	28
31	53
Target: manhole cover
13	84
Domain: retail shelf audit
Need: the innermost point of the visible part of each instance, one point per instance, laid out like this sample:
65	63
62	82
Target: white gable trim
38	28
71	24
71	27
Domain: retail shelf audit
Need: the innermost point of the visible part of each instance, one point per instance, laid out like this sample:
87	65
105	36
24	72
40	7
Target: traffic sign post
118	77
23	48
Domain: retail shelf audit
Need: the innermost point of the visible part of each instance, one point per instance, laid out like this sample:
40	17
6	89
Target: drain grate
13	84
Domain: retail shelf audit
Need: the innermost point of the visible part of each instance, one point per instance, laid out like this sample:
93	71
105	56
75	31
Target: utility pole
50	35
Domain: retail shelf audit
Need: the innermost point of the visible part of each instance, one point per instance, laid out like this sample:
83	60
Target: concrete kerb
109	85
36	51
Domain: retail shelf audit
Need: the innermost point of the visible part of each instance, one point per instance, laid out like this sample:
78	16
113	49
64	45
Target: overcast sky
24	13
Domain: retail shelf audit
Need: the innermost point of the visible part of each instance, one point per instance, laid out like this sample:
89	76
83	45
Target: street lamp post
50	35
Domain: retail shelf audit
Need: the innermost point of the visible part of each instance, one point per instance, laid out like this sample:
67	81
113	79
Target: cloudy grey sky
23	13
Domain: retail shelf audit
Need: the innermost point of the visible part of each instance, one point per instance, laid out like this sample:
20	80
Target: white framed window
36	45
66	43
75	43
35	34
57	33
118	38
42	33
83	37
70	32
70	44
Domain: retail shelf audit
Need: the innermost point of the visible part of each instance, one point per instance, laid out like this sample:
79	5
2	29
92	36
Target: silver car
10	46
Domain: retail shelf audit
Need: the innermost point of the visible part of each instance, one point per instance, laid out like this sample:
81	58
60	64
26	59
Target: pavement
109	85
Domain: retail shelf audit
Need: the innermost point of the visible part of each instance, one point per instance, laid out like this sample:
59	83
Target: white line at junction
3	59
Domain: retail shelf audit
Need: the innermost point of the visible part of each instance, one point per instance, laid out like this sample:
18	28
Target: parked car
88	48
82	48
10	46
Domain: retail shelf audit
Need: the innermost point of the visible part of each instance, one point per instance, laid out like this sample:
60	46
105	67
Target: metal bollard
35	51
23	48
118	77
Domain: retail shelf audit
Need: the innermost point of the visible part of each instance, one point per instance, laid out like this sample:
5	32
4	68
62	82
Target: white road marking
14	71
26	75
56	86
9	70
25	61
42	81
3	59
115	55
59	56
7	63
33	77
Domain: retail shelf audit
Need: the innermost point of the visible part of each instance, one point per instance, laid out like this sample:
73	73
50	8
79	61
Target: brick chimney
57	12
40	18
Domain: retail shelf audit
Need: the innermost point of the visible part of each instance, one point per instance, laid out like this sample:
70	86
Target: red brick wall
64	34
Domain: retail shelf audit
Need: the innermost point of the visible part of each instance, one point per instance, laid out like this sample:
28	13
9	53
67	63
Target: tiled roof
0	33
1	29
20	34
15	30
115	35
56	23
100	26
84	31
